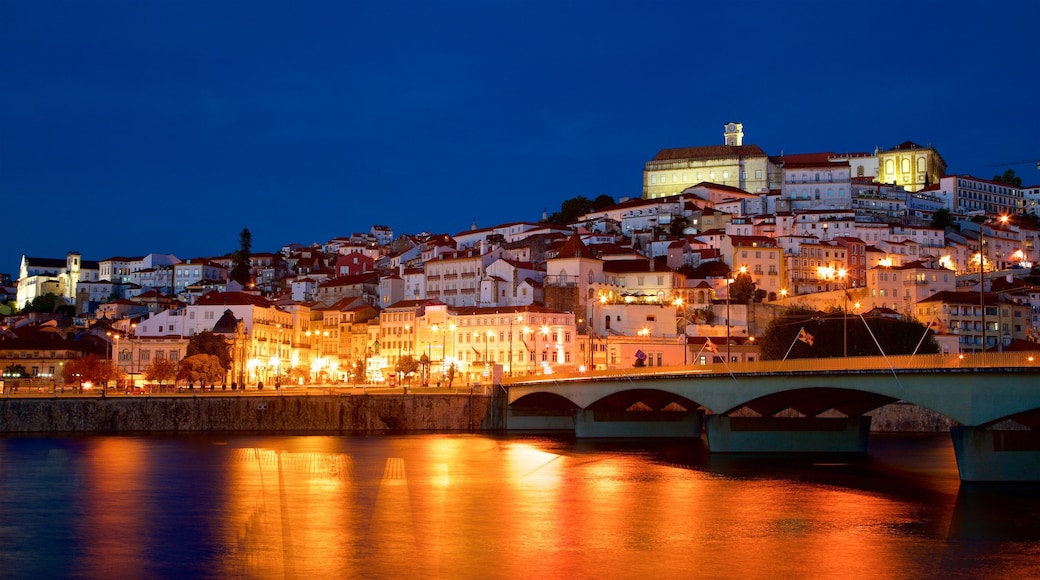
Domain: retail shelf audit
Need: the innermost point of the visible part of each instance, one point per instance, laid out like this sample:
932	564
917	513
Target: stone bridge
815	405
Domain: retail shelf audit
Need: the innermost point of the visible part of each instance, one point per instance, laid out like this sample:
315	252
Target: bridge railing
842	364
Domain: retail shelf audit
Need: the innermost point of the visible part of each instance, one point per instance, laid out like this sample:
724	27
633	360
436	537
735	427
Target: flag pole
790	348
925	335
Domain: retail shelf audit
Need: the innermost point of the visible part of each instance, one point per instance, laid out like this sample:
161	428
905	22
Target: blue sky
166	126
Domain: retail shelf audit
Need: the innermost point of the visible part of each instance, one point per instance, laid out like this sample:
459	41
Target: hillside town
650	280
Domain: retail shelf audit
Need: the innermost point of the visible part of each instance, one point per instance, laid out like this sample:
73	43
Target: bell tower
734	134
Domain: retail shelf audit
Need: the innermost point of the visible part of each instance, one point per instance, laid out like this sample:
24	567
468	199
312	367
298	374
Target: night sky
166	126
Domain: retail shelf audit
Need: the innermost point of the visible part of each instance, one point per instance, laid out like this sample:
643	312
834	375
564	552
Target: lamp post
678	302
844	275
545	343
518	318
487	339
451	327
783	295
133	341
982	289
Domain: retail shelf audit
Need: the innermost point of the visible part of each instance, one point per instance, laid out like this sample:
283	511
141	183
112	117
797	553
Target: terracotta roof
233	299
574	248
709	152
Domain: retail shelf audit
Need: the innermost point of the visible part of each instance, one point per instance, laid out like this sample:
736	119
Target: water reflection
462	506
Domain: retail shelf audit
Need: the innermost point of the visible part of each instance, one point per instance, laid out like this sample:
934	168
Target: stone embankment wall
314	413
905	417
216	413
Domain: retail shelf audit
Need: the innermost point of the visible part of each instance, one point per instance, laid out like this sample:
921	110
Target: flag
710	347
478	352
805	337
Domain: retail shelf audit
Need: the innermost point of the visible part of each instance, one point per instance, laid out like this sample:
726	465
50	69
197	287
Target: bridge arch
544	400
644	399
813	401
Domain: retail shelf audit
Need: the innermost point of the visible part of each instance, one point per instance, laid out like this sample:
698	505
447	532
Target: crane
1021	162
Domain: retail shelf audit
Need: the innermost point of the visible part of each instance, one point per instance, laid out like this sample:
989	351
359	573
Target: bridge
805	405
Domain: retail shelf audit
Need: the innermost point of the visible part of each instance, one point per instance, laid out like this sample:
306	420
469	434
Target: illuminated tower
734	134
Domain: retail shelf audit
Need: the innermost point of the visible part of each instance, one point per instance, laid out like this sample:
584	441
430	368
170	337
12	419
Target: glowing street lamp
678	302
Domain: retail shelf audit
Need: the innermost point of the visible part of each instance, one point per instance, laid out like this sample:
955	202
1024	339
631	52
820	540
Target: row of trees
865	336
207	361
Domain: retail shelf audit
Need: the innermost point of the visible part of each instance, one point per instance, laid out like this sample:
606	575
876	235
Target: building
910	165
816	181
961	314
41	276
746	167
901	287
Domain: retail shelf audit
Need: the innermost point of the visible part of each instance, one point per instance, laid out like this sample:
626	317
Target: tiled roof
709	152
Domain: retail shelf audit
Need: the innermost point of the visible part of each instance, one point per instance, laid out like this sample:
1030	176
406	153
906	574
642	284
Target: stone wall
217	413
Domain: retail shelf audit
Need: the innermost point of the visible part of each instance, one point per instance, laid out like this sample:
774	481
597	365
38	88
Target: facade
961	314
816	181
901	287
41	276
671	171
763	259
910	165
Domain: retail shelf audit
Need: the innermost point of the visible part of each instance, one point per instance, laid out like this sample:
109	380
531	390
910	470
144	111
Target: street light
678	302
133	340
518	318
487	338
545	343
729	298
844	275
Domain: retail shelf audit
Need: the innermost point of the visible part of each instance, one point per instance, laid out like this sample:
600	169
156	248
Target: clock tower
734	134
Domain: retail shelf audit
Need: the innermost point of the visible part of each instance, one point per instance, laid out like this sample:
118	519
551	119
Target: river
480	506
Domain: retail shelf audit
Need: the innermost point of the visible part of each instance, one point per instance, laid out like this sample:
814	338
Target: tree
942	218
206	342
51	303
742	289
575	207
1009	178
14	371
706	315
407	365
201	368
161	370
678	225
89	369
828	331
360	370
240	262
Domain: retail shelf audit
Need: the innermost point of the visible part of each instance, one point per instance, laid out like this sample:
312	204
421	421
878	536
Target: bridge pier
589	423
524	419
989	455
787	434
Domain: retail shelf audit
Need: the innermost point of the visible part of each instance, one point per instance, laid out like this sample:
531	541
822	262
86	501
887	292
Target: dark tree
942	218
1009	178
51	303
678	225
407	365
828	330
575	207
206	342
742	289
240	259
89	369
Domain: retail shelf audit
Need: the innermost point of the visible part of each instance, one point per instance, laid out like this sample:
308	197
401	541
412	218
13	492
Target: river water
477	506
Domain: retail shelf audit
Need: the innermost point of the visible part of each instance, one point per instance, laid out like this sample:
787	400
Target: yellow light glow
947	262
886	262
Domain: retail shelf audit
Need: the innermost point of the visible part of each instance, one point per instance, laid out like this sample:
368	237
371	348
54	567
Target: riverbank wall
226	414
330	413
